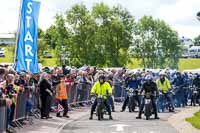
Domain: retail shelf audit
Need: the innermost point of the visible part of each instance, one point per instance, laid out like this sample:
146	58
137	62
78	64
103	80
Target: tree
156	43
83	28
41	44
197	41
114	33
102	37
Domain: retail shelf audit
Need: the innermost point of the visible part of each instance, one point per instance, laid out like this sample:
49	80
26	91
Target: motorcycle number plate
130	94
100	96
147	100
195	91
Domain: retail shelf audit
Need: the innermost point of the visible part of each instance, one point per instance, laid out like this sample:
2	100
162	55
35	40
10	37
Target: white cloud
182	17
188	31
180	14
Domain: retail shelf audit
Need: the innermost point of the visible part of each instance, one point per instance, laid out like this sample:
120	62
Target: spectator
61	97
45	95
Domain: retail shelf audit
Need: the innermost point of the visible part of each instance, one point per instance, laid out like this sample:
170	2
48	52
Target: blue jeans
164	101
180	99
8	118
117	92
29	105
160	103
106	103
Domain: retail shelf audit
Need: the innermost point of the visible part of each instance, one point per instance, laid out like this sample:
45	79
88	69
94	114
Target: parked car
2	52
47	54
185	55
194	51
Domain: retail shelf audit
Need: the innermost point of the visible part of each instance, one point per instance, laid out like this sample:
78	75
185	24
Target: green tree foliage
99	37
41	44
156	43
197	41
103	36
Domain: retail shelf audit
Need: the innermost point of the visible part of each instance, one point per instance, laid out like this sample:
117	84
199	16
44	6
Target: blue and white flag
26	49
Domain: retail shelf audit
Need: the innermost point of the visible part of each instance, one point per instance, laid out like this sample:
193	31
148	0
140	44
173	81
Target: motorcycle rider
132	82
179	83
196	83
164	87
101	87
149	87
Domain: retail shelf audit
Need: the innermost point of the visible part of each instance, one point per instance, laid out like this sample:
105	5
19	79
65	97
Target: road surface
124	122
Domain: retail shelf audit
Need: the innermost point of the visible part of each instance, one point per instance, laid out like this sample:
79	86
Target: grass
51	62
183	64
189	64
195	120
9	51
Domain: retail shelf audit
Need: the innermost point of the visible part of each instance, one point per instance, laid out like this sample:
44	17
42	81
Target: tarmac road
124	122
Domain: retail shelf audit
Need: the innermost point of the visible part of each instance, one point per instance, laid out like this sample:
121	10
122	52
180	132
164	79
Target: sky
179	14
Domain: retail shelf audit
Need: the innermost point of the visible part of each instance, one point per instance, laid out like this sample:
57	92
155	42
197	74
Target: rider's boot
156	116
139	116
110	117
91	115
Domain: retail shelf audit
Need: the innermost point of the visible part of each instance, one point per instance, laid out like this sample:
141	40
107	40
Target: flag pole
17	34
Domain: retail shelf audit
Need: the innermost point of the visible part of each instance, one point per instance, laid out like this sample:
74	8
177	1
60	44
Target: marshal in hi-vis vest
61	92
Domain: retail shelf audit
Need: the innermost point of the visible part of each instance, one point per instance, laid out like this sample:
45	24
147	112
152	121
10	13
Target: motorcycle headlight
131	90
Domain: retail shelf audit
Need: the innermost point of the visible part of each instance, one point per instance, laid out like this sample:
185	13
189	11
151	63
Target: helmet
101	77
161	73
149	78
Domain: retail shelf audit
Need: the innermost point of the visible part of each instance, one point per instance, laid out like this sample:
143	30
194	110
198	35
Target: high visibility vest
163	87
61	92
101	89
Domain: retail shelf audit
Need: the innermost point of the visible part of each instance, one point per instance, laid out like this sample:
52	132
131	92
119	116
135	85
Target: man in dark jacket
179	91
133	83
196	81
149	87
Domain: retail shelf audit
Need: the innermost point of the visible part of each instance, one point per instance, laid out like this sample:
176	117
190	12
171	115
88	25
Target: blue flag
26	49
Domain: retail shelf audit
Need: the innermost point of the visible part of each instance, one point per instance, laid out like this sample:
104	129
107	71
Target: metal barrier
3	115
21	106
36	102
20	110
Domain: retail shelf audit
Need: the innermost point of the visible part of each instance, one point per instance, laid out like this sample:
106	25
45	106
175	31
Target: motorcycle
100	107
195	96
132	104
148	111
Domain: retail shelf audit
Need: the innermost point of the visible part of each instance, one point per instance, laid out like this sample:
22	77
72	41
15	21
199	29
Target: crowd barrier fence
77	94
3	116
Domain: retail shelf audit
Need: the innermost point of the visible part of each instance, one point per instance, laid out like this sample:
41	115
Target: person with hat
61	97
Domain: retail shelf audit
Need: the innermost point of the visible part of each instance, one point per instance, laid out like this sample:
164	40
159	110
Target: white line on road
119	127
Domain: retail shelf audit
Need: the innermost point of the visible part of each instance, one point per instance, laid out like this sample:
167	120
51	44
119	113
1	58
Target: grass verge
195	120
